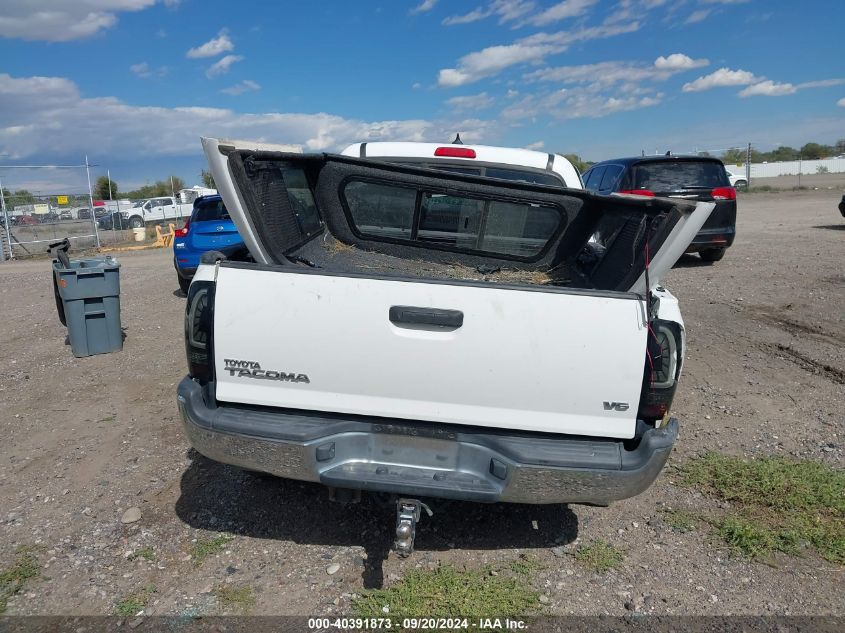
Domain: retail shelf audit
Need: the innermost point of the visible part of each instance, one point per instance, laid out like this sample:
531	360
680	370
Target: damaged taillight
183	232
662	367
199	322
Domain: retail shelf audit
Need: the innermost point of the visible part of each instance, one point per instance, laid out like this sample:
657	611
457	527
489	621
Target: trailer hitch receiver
407	515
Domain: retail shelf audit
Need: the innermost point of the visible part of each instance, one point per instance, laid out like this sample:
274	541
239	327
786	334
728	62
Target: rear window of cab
465	223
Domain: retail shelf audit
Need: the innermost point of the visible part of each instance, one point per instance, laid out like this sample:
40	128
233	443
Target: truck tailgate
551	360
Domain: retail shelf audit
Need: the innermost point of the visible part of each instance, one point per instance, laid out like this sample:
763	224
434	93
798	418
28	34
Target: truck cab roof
485	160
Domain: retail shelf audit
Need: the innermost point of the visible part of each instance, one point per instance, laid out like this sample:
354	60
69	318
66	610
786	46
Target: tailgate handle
411	315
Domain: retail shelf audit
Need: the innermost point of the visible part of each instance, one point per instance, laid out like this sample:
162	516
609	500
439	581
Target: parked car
692	178
842	206
737	181
116	220
50	216
419	332
83	214
66	214
209	228
25	220
101	212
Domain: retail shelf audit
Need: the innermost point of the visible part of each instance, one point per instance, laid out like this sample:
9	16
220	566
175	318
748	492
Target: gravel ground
86	440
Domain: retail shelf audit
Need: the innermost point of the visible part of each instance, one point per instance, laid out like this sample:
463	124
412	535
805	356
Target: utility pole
91	200
114	220
6	224
748	166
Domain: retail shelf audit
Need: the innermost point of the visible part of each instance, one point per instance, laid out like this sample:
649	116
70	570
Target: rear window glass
679	175
210	211
301	200
526	176
457	222
502	173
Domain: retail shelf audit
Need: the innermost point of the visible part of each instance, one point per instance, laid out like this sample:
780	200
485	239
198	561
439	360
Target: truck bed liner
329	253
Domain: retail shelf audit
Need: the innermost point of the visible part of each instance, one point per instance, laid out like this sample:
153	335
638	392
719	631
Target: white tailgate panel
534	361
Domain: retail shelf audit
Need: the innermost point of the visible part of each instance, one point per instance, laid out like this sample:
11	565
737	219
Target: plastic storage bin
88	301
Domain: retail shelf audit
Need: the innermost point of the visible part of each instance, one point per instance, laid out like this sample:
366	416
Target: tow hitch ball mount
407	515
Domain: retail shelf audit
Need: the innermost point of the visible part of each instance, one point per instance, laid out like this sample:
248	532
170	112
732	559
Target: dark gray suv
692	178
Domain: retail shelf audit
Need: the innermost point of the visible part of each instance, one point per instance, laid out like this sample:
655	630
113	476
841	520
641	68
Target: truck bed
330	254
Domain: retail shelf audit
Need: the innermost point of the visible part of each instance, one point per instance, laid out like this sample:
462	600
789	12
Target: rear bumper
718	237
423	459
184	270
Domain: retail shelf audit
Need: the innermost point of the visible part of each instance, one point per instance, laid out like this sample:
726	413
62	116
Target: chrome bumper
423	459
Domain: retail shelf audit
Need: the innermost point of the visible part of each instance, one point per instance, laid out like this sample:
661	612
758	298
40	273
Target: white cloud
62	20
416	85
679	62
213	47
841	102
222	66
41	114
697	16
536	145
720	78
247	85
144	70
560	11
823	83
577	103
507	10
607	73
494	59
768	88
471	102
473	16
424	6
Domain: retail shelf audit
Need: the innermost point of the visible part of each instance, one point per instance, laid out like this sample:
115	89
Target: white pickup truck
161	209
425	332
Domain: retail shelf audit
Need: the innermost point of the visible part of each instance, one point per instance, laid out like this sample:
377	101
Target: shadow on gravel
226	499
831	227
691	261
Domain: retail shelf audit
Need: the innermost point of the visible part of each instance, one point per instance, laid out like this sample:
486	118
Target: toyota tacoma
429	333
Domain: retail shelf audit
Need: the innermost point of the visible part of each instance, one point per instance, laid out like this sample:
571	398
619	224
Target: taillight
455	152
662	366
639	192
724	193
199	322
184	230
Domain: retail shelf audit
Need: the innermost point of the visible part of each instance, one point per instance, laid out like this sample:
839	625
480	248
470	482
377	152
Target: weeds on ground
147	553
14	578
132	605
681	520
446	591
239	597
781	504
599	556
525	565
204	548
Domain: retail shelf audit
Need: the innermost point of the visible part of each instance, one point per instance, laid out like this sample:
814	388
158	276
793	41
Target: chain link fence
62	206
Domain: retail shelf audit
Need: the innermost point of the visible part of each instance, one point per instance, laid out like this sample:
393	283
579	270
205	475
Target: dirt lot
86	439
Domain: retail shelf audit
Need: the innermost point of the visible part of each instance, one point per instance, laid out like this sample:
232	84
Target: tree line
736	156
808	151
167	187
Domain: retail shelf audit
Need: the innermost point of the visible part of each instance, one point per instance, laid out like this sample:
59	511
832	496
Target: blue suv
208	229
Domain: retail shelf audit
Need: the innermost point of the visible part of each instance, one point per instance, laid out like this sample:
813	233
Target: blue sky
135	83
